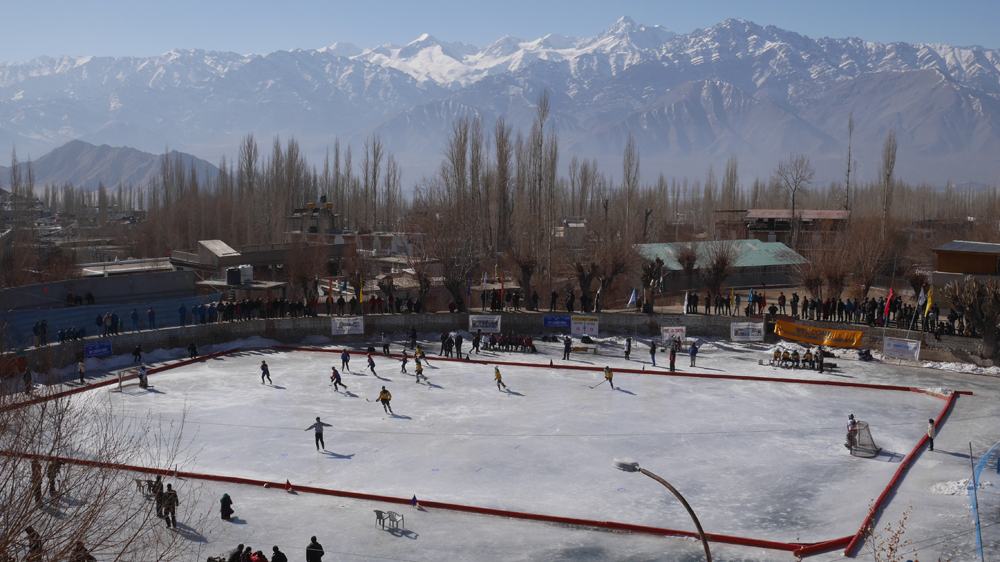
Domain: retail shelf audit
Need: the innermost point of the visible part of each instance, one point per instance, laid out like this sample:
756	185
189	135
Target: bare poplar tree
885	175
847	180
794	175
630	180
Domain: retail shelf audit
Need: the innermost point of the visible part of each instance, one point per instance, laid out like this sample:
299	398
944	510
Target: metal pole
975	498
697	524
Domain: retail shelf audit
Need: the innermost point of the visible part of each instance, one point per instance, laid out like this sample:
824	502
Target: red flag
887	301
763	299
288	486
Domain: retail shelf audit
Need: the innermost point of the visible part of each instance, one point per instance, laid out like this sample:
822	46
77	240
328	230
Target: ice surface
755	459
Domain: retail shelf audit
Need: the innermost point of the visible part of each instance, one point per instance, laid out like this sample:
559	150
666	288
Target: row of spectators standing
378	305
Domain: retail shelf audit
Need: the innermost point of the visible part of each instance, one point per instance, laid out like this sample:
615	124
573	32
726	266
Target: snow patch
961	368
954	488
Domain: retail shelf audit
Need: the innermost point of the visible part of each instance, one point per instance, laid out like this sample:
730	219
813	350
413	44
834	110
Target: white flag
685	302
631	300
922	299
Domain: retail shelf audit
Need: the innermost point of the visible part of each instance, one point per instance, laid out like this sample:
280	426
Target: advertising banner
900	348
99	349
488	323
584	325
818	336
669	332
343	325
746	331
556	321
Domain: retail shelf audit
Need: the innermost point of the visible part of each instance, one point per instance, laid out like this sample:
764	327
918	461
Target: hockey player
345	361
628	347
786	358
265	372
499	379
795	359
776	357
403	361
318	428
852	432
143	380
385	397
419	354
807	359
420	371
371	364
335	379
609	376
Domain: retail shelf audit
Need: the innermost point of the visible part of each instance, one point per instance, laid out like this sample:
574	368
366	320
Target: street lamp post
630	465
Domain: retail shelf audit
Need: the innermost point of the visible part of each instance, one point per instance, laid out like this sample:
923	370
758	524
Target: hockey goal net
862	444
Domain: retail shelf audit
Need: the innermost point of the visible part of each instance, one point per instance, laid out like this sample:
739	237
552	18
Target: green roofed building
754	263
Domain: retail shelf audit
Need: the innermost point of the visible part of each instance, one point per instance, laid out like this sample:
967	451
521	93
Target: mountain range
690	100
87	166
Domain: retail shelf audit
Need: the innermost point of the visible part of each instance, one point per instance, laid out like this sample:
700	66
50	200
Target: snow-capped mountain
690	100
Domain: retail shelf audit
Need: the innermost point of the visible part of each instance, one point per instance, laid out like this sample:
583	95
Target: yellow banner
818	336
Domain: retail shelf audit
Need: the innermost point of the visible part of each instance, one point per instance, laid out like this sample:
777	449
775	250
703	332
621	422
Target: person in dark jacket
158	496
227	507
278	556
170	503
81	554
234	556
314	552
35	545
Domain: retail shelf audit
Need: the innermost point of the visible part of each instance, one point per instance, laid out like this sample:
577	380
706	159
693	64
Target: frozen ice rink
755	459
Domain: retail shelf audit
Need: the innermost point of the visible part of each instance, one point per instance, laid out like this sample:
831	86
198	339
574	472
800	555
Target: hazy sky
142	28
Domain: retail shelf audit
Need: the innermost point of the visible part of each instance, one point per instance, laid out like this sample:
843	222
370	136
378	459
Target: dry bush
96	502
979	301
720	256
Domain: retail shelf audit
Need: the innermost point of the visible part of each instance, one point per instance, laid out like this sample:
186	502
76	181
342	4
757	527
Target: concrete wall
293	330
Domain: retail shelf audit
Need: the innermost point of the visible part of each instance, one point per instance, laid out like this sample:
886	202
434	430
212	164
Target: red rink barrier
642	372
109	382
877	506
722	539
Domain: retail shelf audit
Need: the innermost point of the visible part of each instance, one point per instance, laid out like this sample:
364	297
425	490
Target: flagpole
885	313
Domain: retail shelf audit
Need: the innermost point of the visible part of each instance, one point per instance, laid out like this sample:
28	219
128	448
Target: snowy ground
755	459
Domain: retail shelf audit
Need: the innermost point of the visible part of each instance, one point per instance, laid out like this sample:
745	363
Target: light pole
630	465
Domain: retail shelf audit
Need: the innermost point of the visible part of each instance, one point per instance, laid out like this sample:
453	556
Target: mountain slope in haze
690	100
86	166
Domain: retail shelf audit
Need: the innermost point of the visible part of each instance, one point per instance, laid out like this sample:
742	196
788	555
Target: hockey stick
600	383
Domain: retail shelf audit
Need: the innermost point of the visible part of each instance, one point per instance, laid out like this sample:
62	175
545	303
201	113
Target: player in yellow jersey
384	397
499	379
420	370
608	376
